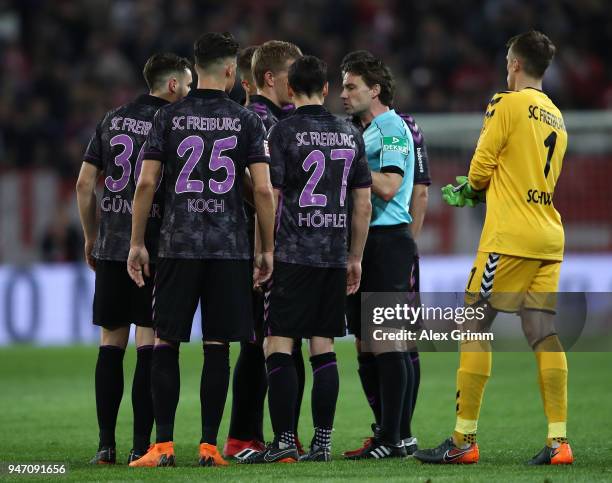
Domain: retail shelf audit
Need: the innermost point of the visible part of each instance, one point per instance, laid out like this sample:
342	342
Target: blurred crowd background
64	63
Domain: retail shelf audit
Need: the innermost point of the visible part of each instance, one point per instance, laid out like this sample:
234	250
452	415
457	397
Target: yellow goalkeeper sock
552	378
472	375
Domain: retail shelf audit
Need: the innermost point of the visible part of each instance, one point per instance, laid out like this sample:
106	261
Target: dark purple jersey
315	160
421	160
116	148
268	112
205	142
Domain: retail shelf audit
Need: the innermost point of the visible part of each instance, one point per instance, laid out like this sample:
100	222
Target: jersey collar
150	100
384	115
311	109
274	109
208	94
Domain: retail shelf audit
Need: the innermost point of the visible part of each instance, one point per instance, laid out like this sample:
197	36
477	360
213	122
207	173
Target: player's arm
360	224
493	138
395	148
86	192
138	259
87	202
418	207
247	188
360	183
258	159
154	149
386	184
264	207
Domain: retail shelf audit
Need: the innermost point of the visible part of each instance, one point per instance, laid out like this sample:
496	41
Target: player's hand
257	261
468	191
454	197
91	261
353	276
137	263
262	270
462	194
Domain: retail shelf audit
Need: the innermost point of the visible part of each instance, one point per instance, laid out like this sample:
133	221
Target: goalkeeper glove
470	192
463	194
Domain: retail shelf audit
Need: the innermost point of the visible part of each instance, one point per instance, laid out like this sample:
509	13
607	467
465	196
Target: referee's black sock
325	386
392	375
165	387
109	390
213	389
282	394
405	429
298	361
249	388
142	399
368	374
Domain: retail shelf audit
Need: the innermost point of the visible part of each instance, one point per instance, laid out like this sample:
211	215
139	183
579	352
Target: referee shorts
390	264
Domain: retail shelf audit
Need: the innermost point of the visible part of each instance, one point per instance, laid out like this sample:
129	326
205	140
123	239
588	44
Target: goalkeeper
516	164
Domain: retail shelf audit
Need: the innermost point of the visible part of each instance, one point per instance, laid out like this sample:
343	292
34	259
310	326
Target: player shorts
304	301
118	302
390	264
223	287
510	284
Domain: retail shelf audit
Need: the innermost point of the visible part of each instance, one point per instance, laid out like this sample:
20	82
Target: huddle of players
190	243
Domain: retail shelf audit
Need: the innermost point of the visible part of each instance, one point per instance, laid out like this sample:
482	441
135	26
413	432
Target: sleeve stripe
259	158
392	169
155	155
91	157
365	185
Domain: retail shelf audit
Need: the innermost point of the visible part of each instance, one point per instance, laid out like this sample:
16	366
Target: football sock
165	387
142	400
472	375
249	388
392	376
282	393
298	361
552	378
368	375
109	390
416	367
213	389
322	437
405	429
325	386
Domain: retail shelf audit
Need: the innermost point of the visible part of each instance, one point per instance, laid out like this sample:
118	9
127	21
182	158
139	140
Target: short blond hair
272	56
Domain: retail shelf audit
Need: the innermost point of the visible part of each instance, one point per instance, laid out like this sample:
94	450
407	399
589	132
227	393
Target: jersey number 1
549	142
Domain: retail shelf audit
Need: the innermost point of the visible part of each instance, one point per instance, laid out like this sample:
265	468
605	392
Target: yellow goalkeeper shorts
510	283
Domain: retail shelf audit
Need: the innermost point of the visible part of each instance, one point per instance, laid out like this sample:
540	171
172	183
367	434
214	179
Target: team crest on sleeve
395	143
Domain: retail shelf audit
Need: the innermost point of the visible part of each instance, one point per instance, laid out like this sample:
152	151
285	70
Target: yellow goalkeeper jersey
518	160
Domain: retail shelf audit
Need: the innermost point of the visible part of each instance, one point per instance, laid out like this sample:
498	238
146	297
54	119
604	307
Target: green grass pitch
48	415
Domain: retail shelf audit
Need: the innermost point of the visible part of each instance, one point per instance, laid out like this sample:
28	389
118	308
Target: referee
390	252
